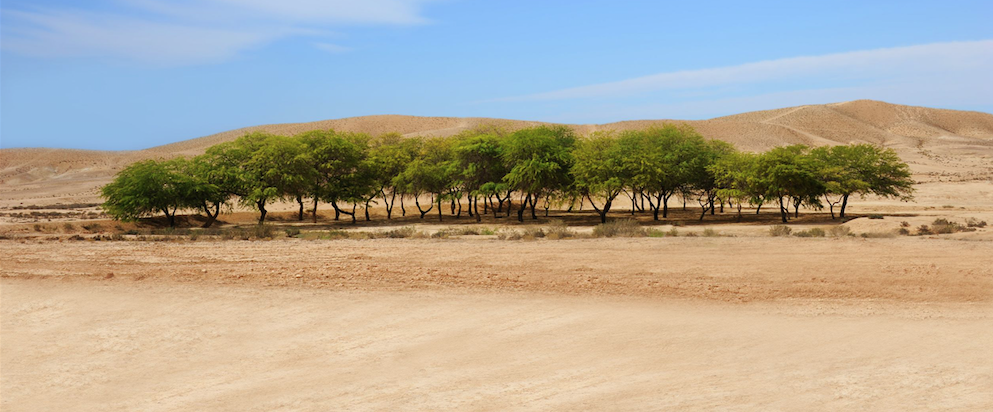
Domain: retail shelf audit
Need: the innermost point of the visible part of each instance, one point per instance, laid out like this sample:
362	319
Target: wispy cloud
332	48
190	31
931	63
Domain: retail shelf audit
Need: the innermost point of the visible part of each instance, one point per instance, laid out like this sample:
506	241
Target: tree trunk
211	217
665	205
534	199
439	208
418	204
403	210
262	211
314	214
603	213
475	204
389	202
367	219
783	213
844	204
300	214
524	206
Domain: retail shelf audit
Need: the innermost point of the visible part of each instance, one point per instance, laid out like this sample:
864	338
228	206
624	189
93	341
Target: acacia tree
788	174
337	160
429	173
599	171
478	159
206	192
861	169
389	155
734	175
701	176
661	162
539	159
147	187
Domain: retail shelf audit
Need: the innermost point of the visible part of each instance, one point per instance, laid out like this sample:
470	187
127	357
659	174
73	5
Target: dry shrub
559	230
924	230
812	232
903	231
68	227
973	222
780	230
945	226
292	232
875	216
399	233
878	235
708	232
839	231
619	228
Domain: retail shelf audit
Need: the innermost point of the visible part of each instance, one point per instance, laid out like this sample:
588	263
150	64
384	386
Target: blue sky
132	74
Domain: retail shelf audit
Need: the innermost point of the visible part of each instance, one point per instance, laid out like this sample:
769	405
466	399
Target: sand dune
925	137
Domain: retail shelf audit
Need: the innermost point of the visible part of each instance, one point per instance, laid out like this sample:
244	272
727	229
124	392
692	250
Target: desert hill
939	144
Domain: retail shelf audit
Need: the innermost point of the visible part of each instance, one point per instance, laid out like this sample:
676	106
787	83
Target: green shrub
780	230
619	228
292	231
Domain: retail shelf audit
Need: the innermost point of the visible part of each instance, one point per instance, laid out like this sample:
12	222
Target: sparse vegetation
973	222
619	228
812	232
839	231
780	230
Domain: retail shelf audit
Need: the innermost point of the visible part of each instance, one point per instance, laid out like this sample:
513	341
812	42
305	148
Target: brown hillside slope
938	143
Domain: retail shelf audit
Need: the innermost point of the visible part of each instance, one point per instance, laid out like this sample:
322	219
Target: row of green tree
536	167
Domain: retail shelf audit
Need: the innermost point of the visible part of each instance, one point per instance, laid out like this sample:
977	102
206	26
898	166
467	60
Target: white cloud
938	62
190	31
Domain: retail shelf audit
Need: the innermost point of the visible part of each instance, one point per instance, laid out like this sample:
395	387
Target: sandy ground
747	322
610	324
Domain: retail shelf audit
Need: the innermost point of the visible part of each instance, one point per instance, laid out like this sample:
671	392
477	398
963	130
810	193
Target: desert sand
739	321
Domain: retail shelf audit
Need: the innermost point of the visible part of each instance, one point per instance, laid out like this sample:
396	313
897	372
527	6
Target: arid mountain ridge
932	140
